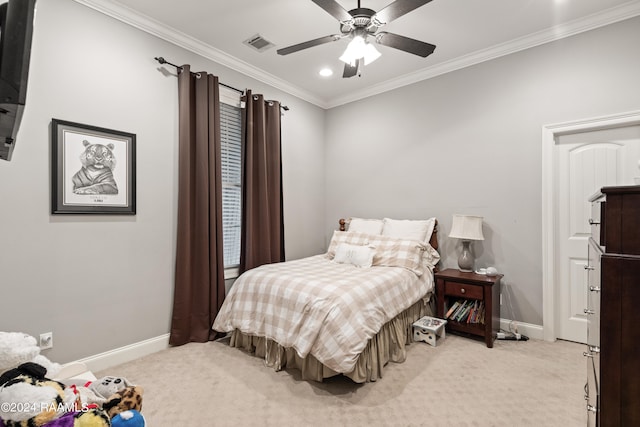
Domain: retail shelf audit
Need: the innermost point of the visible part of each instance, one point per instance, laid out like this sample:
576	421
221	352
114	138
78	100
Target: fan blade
397	9
351	70
405	43
334	9
308	44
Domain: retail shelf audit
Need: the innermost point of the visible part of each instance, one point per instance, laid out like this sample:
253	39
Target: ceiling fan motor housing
362	18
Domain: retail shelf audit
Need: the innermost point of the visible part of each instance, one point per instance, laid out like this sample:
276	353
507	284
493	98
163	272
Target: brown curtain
262	232
199	279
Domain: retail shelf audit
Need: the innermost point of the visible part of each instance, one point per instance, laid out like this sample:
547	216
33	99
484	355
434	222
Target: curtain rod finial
160	59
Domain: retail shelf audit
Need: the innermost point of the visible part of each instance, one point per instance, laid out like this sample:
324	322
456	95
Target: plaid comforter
320	307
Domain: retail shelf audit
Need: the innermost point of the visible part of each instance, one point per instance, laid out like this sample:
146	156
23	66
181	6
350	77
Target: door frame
549	208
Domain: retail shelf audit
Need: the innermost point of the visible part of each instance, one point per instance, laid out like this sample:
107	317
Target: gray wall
102	282
469	142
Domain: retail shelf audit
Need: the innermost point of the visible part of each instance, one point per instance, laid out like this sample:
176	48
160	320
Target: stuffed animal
106	387
124	400
87	395
131	418
32	402
91	418
29	368
94	417
51	367
17	348
66	420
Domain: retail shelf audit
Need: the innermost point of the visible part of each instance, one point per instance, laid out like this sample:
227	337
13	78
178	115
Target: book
472	311
452	309
476	318
465	315
465	309
459	310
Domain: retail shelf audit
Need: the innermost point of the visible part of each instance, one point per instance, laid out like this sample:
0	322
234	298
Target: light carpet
460	382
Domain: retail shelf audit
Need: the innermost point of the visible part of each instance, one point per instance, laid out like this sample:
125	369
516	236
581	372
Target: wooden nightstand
454	285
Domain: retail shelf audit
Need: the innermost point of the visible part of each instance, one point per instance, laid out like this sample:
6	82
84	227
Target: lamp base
465	260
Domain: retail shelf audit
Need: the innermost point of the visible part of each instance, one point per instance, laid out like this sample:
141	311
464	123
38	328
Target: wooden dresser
613	312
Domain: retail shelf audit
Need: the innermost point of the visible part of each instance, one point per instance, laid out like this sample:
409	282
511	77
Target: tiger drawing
96	174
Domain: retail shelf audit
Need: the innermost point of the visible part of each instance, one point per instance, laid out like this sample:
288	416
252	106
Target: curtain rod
161	60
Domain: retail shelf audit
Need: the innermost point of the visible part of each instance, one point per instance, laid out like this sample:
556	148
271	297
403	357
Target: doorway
578	159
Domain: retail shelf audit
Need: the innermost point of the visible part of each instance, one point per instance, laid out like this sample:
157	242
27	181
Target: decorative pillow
391	252
350	237
420	230
369	226
430	257
360	256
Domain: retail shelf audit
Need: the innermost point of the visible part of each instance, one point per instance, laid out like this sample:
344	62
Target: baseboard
127	353
532	331
108	359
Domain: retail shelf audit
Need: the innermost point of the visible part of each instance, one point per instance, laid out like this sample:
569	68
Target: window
231	152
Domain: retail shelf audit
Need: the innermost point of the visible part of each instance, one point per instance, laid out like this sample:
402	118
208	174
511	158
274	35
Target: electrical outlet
46	340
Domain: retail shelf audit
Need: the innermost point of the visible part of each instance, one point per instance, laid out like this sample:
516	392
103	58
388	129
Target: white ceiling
464	31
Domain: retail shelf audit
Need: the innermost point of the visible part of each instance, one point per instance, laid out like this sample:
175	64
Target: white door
586	162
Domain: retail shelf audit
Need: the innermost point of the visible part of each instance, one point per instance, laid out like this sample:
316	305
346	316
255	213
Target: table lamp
466	228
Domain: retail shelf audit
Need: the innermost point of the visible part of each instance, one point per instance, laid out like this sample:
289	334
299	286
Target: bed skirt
387	345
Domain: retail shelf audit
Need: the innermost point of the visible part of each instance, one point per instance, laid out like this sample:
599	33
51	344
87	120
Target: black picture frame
93	170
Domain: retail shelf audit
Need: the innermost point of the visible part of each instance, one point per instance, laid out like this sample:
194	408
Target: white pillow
420	230
368	226
360	256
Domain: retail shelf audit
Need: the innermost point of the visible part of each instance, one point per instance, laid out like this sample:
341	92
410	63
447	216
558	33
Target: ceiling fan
359	24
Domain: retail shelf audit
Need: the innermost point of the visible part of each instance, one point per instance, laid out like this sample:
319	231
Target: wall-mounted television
16	29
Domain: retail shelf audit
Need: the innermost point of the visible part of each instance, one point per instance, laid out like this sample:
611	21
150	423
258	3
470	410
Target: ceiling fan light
354	51
348	59
370	54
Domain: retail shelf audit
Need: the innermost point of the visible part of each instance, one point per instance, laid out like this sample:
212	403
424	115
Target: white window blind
231	152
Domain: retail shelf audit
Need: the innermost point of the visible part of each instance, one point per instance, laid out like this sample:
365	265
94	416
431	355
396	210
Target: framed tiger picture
93	170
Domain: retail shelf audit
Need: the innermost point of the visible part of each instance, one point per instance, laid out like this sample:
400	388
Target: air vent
258	42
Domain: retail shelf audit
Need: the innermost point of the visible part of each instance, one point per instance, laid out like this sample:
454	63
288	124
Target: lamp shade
466	227
370	54
359	48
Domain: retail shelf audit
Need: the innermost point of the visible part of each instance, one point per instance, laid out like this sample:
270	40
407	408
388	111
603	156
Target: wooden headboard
434	236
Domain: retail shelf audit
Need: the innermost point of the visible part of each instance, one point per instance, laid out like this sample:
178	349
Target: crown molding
577	26
171	35
610	16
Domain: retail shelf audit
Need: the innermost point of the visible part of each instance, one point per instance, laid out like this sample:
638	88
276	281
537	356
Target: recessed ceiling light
326	72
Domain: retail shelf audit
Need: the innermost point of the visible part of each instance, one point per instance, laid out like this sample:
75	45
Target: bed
348	311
